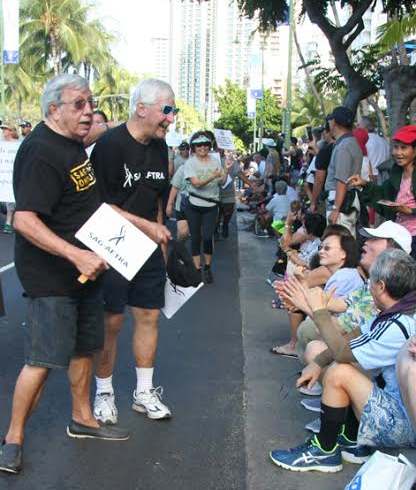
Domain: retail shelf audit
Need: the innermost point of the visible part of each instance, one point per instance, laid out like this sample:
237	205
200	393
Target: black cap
25	124
184	146
342	116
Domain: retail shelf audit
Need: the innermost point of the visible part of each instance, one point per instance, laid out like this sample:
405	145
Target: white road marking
6	267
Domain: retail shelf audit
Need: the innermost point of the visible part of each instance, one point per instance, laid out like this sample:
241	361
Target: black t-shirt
129	174
53	178
324	157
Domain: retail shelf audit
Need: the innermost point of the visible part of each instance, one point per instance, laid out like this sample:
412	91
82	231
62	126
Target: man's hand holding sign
118	242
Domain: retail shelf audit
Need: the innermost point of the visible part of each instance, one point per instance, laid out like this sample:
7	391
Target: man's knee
339	375
314	348
113	323
146	318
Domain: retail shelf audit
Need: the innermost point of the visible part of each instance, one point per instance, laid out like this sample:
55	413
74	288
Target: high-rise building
160	57
210	42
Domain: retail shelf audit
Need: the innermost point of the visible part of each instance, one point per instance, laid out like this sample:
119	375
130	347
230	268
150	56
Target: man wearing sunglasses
131	164
56	192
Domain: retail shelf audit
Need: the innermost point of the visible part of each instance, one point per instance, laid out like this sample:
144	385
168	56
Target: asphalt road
199	364
232	400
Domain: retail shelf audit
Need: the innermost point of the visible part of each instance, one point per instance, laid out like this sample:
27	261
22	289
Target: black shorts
58	328
180	216
146	289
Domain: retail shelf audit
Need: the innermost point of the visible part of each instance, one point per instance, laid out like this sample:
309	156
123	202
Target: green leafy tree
231	102
340	38
188	119
113	91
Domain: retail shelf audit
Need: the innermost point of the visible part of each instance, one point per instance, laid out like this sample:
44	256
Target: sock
104	385
331	422
144	379
350	428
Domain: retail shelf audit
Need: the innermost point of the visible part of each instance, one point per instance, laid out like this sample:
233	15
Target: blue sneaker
351	451
309	457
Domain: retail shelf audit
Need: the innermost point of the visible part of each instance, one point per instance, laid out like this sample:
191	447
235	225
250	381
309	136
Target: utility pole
288	111
261	120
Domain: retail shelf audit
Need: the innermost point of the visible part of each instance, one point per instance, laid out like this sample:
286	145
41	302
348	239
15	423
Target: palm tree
395	31
58	30
113	90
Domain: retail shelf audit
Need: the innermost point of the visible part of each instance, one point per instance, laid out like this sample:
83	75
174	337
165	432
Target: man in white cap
272	159
354	310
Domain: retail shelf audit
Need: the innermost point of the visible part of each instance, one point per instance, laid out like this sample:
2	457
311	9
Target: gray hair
397	270
280	188
368	124
150	91
53	90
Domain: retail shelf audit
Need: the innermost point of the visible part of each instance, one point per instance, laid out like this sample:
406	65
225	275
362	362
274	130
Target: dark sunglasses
79	104
167	109
197	145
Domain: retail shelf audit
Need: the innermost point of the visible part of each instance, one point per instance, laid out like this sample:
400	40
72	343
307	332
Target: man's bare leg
29	388
145	337
146	400
406	373
79	374
106	359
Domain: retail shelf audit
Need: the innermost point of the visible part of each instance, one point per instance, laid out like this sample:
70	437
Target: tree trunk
400	87
309	78
56	54
340	40
380	115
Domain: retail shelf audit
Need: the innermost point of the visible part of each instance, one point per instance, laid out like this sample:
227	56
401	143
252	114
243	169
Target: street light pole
261	120
288	111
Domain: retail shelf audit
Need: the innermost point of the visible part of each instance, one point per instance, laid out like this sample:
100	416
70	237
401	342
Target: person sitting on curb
355	412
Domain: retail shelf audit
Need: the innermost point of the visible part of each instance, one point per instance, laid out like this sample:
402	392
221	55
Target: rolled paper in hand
82	278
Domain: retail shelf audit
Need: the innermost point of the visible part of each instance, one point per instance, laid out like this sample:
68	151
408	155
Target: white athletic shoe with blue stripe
149	402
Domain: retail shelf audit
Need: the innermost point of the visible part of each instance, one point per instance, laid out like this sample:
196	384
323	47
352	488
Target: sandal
282	350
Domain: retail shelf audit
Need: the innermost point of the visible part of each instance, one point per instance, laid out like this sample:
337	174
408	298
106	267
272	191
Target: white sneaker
312	404
314	426
149	402
105	408
316	390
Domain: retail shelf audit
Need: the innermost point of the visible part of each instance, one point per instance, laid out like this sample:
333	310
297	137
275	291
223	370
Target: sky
136	22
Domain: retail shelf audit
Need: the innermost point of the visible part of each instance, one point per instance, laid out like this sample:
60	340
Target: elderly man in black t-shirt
131	165
56	193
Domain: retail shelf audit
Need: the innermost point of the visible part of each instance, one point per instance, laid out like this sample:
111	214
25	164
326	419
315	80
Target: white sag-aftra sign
8	150
176	297
117	241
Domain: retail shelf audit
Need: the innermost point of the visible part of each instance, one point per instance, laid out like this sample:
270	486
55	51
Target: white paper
224	138
176	297
8	150
117	241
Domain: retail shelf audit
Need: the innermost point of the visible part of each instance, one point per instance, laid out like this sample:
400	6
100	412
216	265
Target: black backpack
180	267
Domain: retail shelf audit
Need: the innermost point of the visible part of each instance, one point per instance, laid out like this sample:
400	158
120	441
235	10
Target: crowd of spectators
345	274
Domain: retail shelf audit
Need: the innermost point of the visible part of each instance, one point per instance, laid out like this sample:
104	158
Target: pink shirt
406	197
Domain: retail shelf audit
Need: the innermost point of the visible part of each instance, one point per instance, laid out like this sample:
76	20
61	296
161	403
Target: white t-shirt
378	150
378	348
279	206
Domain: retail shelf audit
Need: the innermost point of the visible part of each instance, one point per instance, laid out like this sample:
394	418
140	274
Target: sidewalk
274	417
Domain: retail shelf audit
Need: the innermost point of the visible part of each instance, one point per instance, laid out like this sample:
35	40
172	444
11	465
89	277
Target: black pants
225	211
201	221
